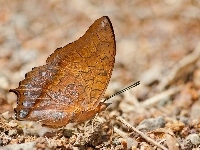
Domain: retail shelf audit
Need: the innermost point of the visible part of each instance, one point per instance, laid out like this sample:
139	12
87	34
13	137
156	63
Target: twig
183	63
153	100
148	139
130	141
120	133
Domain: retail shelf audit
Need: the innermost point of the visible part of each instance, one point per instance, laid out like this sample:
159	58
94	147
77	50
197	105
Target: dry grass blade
148	139
181	65
153	100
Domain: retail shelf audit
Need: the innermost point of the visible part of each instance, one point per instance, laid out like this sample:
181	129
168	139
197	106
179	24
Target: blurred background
157	44
151	37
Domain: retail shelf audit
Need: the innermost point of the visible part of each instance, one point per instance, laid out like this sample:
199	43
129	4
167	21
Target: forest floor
157	43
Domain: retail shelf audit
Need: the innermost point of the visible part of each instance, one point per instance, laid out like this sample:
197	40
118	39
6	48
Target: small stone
194	138
6	115
12	123
194	113
151	124
12	132
14	141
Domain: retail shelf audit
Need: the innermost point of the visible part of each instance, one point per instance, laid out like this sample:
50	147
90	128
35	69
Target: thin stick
148	139
153	100
120	133
189	60
124	135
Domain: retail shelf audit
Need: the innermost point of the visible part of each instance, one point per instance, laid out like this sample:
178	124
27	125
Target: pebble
194	138
12	123
194	113
6	115
12	132
151	124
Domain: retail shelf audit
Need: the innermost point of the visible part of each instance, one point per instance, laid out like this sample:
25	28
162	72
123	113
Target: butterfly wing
90	59
73	80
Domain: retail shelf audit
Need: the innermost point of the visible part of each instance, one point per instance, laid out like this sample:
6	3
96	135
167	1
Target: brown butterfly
70	86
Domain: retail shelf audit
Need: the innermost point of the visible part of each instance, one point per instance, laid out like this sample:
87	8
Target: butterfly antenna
127	88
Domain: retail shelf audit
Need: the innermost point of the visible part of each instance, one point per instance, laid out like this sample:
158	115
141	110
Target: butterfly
70	86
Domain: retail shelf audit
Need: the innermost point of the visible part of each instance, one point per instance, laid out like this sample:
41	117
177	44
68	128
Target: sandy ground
157	44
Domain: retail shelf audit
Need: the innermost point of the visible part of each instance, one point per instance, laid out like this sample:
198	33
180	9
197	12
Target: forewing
74	78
